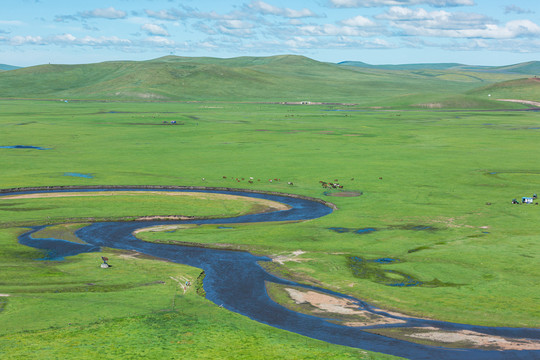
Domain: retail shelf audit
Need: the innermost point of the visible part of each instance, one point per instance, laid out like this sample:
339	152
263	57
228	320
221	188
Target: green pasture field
103	206
436	187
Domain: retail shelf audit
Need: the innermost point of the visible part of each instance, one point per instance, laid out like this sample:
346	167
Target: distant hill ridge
4	67
282	78
530	68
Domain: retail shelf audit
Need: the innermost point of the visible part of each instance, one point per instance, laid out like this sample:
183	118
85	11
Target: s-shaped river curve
236	281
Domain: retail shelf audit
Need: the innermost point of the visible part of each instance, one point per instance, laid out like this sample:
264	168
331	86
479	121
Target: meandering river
236	281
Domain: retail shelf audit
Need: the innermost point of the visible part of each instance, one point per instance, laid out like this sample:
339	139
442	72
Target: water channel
236	281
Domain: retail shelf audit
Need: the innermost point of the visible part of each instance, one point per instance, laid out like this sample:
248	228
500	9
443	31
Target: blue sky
475	32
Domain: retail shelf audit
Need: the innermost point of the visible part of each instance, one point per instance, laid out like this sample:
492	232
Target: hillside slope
523	89
270	79
526	68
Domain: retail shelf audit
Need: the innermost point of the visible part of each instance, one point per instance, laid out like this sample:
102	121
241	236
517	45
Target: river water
236	281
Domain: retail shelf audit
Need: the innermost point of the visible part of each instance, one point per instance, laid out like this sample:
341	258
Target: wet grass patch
423	247
368	230
61	232
413	227
285	272
342	230
3	303
372	269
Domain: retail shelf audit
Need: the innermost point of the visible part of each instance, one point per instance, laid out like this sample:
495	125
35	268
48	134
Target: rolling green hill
435	66
525	89
284	78
526	68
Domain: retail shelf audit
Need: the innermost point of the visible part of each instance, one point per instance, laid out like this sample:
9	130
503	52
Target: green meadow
436	186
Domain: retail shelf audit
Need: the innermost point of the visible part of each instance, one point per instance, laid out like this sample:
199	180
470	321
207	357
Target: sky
473	32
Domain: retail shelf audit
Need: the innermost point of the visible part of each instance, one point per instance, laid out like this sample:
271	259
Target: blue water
365	231
87	176
236	281
23	147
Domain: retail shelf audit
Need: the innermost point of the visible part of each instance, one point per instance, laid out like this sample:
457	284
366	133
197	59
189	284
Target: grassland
437	187
123	205
268	79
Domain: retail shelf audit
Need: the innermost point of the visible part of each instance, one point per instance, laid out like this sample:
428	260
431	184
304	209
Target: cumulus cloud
205	28
26	40
153	29
300	43
158	41
69	39
235	28
190	13
419	22
267	9
376	3
333	30
358	21
405	17
108	13
171	14
508	45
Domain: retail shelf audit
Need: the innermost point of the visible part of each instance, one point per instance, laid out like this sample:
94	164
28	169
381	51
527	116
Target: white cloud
480	45
511	30
419	22
267	9
69	39
65	38
333	30
358	21
205	28
153	29
299	43
171	14
377	3
108	13
158	41
435	19
26	40
235	28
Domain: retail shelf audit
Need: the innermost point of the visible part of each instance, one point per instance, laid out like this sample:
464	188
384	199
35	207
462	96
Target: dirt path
526	102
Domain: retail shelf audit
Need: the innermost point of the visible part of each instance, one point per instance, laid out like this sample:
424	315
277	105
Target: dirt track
526	102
